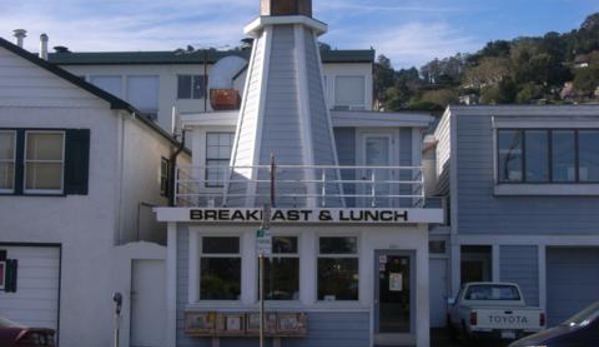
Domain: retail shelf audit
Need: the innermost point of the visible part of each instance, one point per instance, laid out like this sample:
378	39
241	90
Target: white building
154	82
350	224
79	172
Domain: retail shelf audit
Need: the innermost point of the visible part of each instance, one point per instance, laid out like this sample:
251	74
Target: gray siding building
523	187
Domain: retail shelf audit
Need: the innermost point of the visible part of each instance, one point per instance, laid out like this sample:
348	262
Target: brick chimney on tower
286	7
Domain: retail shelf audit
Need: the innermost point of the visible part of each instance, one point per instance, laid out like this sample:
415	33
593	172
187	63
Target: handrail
354	186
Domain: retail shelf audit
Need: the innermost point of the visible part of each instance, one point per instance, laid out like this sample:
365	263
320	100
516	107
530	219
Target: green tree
586	79
384	78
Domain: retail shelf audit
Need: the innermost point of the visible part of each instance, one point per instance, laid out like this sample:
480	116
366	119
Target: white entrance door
148	303
378	152
438	292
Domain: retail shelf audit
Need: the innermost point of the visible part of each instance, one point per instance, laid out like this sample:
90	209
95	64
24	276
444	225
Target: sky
409	32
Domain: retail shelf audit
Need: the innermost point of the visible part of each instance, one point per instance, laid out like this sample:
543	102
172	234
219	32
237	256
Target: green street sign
263	242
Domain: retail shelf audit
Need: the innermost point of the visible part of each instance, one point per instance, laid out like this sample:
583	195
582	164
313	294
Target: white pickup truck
493	310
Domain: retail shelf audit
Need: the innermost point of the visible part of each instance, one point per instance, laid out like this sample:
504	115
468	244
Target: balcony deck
295	186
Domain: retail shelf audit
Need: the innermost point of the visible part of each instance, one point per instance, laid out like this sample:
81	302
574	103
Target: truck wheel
453	334
466	339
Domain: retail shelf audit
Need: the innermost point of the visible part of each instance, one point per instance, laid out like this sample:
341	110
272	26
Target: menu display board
200	323
277	324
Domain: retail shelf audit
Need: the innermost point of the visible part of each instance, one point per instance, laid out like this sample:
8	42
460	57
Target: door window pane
7	160
563	155
510	155
394	294
588	149
44	161
537	156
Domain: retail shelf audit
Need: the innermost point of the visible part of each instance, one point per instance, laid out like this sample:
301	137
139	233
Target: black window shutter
76	162
10	286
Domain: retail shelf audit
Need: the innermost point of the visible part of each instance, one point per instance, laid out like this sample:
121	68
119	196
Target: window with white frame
548	156
220	268
350	93
218	155
8	150
44	161
281	270
338	263
191	86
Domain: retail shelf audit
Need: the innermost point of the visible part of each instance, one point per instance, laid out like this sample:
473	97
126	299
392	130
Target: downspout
173	170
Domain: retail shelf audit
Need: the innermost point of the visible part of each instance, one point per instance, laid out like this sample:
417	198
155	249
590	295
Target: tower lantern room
286	7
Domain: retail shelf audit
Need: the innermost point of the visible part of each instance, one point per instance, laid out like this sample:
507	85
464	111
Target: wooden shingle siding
281	128
443	136
23	84
480	212
322	143
335	329
520	264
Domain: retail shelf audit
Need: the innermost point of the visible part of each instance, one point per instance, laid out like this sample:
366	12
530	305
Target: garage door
35	303
572	281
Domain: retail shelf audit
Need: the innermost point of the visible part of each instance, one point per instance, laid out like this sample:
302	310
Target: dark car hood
9	336
543	336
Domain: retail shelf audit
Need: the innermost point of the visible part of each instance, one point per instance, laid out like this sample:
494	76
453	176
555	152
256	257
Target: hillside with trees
553	69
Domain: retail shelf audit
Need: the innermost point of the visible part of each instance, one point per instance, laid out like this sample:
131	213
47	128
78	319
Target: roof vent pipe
44	46
20	34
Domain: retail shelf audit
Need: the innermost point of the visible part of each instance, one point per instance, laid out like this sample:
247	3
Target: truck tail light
542	319
473	318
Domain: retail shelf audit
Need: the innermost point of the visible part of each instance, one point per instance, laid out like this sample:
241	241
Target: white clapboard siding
35	303
24	84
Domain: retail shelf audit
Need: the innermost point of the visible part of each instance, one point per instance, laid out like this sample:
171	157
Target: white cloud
131	25
415	43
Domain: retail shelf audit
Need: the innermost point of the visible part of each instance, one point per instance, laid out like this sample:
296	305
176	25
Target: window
281	270
165	166
191	86
111	84
547	156
218	155
142	92
588	161
338	277
8	151
220	269
350	93
44	161
52	162
510	155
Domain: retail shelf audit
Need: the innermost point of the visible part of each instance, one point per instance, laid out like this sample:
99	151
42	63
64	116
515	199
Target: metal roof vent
20	35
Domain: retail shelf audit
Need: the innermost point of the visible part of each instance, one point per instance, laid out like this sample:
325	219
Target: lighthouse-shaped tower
284	112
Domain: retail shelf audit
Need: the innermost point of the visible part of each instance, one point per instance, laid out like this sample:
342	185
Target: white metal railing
300	185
